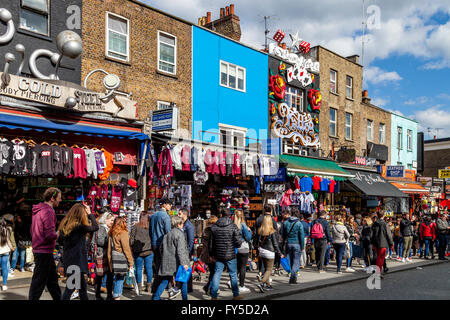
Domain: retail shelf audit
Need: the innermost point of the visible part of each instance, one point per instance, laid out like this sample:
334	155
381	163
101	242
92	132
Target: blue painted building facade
229	90
403	141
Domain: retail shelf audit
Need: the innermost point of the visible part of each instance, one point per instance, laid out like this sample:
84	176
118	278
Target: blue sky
407	54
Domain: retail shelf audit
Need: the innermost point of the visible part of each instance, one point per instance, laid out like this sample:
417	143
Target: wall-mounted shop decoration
294	58
279	36
315	99
277	86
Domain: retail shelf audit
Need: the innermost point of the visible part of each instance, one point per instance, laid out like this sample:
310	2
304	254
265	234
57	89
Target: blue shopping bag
285	264
183	274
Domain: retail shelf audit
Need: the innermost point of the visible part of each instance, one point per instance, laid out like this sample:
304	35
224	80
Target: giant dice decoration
279	36
304	47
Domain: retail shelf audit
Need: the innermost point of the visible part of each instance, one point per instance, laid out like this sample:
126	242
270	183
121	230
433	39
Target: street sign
395	171
444	173
166	119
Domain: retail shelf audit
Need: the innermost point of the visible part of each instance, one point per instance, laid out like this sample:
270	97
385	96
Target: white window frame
335	123
228	64
349	87
46	14
107	50
399	138
349	126
163	105
175	52
381	133
335	81
409	140
370	138
230	134
301	96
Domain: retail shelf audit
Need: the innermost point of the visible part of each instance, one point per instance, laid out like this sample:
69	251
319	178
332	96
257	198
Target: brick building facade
344	113
139	67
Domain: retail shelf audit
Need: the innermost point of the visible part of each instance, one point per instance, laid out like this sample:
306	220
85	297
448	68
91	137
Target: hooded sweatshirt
43	228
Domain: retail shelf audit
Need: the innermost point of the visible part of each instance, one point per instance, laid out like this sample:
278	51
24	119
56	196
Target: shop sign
363	161
444	173
291	124
410	174
293	58
69	98
274	187
447	189
395	171
426	182
166	119
368	178
279	177
346	155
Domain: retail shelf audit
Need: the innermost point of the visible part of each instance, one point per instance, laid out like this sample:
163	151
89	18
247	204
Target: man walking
406	230
442	231
320	232
225	237
381	239
294	236
43	234
189	233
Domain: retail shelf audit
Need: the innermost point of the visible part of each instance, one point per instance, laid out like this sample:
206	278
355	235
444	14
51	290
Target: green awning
302	166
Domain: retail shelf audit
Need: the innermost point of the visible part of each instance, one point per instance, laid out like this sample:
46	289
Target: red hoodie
428	230
43	228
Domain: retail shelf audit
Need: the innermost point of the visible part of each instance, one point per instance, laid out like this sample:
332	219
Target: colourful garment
306	184
316	182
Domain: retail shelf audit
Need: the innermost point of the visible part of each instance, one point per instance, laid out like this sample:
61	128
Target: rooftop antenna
437	132
429	131
266	31
363	35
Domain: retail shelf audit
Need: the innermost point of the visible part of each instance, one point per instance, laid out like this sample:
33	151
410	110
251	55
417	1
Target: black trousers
442	245
212	270
44	275
320	247
109	284
82	291
242	259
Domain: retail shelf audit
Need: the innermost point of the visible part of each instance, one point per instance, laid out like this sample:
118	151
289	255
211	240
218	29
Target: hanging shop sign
346	155
395	171
426	182
166	119
444	173
279	177
363	161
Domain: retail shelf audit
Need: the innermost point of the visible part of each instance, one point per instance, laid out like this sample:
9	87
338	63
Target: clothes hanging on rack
6	152
306	184
91	163
79	161
186	158
236	169
316	182
57	163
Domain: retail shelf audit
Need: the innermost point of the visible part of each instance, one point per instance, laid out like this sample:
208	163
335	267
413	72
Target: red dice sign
304	47
279	36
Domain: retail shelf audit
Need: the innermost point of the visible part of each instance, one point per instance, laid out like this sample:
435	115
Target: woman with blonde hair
243	250
119	241
73	229
204	255
340	238
366	236
267	242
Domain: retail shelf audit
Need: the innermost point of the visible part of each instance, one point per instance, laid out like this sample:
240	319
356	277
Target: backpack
317	231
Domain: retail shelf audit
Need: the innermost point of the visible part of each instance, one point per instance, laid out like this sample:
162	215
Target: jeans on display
4	258
142	262
118	285
349	260
339	249
164	282
18	253
295	252
231	266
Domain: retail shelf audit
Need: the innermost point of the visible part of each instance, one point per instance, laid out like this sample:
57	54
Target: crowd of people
102	247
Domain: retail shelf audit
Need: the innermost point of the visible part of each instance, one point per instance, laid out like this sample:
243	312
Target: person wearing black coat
72	236
366	236
381	239
225	238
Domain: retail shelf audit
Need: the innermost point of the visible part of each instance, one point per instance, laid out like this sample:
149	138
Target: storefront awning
372	184
410	187
39	123
302	166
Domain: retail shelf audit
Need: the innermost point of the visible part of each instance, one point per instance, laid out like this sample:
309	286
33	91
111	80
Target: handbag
98	259
347	251
118	260
183	275
285	264
29	257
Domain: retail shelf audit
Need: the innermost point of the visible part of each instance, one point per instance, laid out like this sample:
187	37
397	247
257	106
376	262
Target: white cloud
416	101
434	118
396	112
444	96
376	75
436	65
379	102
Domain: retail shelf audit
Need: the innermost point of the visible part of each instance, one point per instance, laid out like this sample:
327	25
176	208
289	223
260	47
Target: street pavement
429	283
309	279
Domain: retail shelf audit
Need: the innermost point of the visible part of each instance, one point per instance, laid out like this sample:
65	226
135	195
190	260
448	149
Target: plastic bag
285	264
183	274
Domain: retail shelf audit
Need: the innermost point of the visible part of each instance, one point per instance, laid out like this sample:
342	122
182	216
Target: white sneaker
270	281
4	288
22	270
244	289
11	275
350	270
74	295
399	259
229	284
409	260
403	260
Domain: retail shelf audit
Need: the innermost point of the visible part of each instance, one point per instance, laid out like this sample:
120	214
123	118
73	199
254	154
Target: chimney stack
222	13
228	11
232	9
228	24
365	97
208	17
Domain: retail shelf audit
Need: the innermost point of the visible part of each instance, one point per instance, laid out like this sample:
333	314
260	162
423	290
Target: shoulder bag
98	259
284	245
118	260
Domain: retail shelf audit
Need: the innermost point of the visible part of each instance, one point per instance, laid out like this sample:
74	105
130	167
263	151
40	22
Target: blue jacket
188	229
297	235
306	228
246	233
160	225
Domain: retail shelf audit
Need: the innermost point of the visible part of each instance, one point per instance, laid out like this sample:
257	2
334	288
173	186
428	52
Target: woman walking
204	256
6	247
100	240
340	237
352	228
119	241
141	246
366	236
243	250
267	246
73	229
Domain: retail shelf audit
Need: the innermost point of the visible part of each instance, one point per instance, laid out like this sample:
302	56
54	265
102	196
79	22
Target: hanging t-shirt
201	160
186	158
67	157
200	177
236	165
230	161
194	159
79	163
93	193
99	162
45	161
34	154
297	182
6	152
209	161
256	165
116	198
109	165
91	163
273	167
316	182
249	169
175	153
296	198
131	194
307	200
57	161
306	184
332	185
223	163
267	165
21	158
324	185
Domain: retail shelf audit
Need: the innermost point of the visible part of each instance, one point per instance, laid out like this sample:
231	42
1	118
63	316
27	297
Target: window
409	140
117	37
409	166
349	87
167	53
34	16
333	81
163	105
232	136
232	76
381	133
333	121
369	130
348	126
399	138
294	98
